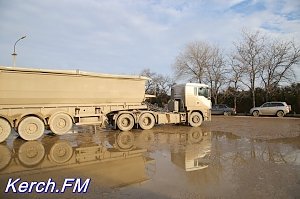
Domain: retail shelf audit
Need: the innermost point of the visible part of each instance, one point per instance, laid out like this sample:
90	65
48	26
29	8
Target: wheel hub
125	122
146	121
195	135
196	119
31	128
125	139
61	151
62	123
31	152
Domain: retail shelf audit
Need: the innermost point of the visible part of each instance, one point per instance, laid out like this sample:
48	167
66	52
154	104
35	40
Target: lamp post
15	54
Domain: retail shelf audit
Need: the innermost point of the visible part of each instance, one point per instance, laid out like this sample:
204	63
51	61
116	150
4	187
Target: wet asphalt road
230	157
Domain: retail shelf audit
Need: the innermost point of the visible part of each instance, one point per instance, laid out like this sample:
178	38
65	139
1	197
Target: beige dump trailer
33	99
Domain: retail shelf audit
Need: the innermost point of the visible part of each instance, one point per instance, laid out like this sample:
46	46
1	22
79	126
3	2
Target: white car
279	109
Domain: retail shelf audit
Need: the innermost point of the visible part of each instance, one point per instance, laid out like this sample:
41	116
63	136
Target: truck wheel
195	119
61	152
5	156
280	114
195	136
5	129
31	153
125	140
31	128
147	121
60	123
125	122
255	113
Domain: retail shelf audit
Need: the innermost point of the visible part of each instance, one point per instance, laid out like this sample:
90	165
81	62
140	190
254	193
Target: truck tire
5	129
195	119
61	152
125	122
60	123
31	153
195	136
31	128
5	156
125	140
147	121
280	114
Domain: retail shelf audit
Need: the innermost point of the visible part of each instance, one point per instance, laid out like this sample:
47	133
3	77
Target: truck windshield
202	91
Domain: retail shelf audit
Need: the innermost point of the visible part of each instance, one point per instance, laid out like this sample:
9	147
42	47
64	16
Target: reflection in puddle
195	154
164	162
219	164
113	161
30	153
5	156
241	150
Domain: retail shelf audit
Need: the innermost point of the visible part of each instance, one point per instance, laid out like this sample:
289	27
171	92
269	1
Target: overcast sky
126	36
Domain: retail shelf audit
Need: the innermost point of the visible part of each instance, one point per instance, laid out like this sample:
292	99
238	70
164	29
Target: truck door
197	98
203	97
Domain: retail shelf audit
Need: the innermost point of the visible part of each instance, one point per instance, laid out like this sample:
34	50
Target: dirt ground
229	157
255	127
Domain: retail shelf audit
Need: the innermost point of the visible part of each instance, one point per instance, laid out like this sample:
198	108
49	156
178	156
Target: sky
127	36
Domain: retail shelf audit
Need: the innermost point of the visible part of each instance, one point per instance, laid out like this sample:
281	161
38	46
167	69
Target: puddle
166	162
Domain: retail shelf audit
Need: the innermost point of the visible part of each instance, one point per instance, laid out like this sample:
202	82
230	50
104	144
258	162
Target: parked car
222	109
279	109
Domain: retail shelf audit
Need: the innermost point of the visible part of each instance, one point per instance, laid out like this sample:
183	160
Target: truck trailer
32	100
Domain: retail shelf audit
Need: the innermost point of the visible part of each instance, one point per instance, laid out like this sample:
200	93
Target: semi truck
32	100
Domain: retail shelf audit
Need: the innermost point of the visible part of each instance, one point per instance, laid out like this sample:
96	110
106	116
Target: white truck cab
190	98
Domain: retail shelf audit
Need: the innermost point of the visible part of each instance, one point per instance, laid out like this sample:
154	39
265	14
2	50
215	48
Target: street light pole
15	54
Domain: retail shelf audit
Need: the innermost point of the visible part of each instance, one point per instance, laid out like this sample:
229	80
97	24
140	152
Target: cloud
128	36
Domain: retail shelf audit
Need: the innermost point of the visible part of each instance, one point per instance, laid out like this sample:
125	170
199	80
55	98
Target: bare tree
235	76
203	63
159	84
250	58
280	57
215	72
150	85
164	83
193	61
